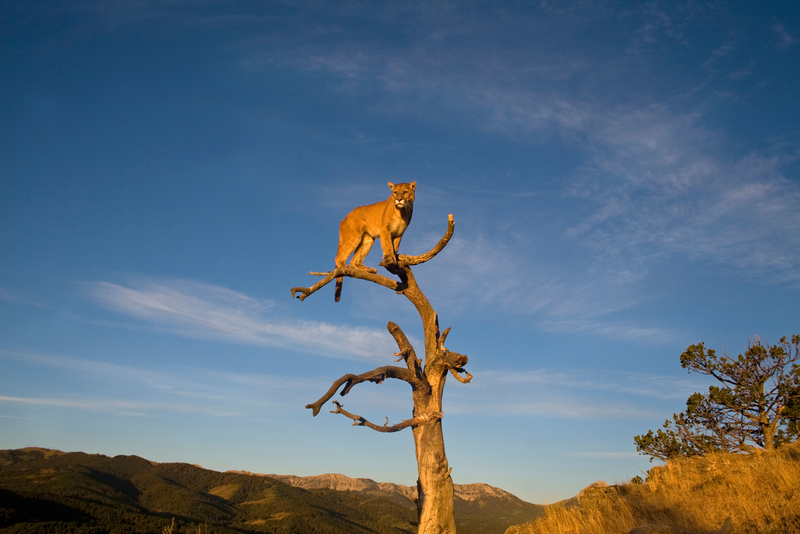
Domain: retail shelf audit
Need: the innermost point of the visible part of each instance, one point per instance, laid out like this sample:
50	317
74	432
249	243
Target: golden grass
761	492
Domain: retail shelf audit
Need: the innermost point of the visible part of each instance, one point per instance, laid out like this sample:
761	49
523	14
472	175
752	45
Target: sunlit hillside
760	492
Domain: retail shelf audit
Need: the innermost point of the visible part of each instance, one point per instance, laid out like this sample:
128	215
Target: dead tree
426	378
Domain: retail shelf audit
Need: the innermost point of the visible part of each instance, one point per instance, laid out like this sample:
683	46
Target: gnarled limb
464	379
408	354
443	338
422	258
376	375
352	272
406	350
360	421
455	363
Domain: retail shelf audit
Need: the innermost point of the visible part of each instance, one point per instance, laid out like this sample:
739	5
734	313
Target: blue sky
624	178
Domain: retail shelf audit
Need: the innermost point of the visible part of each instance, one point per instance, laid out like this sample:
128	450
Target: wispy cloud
573	394
784	38
637	384
571	299
742	73
92	368
129	408
663	188
19	298
566	408
205	311
178	389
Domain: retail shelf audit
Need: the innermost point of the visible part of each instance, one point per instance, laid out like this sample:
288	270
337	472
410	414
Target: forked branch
376	375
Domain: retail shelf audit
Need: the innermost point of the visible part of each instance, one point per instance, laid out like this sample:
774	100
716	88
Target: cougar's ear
391	186
413	185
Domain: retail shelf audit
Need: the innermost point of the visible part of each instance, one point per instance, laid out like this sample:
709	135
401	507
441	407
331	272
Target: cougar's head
403	195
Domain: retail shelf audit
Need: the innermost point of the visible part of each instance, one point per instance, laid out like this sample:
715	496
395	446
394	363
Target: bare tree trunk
434	485
426	378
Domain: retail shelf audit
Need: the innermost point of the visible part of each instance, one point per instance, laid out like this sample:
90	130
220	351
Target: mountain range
49	491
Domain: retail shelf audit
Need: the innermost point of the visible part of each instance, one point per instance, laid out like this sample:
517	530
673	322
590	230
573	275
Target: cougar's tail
338	293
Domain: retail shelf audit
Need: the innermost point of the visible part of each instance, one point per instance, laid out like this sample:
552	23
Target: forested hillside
47	491
44	491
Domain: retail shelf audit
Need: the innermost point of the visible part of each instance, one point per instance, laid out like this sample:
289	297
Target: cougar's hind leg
361	252
346	247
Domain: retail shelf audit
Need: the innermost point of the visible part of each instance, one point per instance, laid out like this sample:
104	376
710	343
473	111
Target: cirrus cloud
204	311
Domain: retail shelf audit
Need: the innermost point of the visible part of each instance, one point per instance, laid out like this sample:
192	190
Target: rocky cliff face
474	492
471	493
334	481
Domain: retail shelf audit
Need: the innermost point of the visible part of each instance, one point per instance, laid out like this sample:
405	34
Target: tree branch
443	338
455	363
462	379
352	272
360	421
406	350
422	258
376	375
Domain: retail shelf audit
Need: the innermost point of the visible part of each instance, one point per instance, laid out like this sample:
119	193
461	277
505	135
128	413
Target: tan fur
385	220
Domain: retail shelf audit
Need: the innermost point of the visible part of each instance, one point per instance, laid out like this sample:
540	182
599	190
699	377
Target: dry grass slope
761	493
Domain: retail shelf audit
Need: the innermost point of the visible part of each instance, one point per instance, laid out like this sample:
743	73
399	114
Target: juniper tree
756	407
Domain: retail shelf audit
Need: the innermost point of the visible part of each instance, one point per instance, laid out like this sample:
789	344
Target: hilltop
760	492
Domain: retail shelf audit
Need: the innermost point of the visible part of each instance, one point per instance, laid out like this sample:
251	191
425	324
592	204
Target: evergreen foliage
757	406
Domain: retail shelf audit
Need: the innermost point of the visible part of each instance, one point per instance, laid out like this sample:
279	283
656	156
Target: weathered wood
360	421
422	258
426	378
352	272
376	375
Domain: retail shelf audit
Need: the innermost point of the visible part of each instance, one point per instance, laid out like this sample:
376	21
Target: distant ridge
337	482
477	506
334	481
